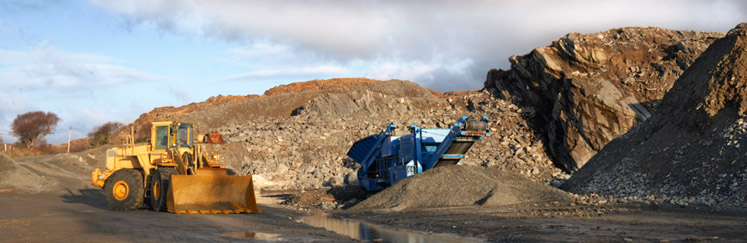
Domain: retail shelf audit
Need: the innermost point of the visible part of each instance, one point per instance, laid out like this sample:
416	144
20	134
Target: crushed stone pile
450	186
6	163
56	174
691	151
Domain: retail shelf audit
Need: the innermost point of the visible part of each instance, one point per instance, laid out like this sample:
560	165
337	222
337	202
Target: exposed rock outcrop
588	89
691	150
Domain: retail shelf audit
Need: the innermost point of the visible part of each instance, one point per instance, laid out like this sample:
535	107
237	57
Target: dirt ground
77	212
84	216
69	209
569	223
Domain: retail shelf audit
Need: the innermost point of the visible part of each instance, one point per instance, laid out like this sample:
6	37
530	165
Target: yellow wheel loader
172	173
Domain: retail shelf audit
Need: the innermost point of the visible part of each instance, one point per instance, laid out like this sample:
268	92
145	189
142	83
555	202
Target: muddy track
84	216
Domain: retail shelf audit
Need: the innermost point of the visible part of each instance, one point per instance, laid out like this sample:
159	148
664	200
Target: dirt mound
335	83
6	163
20	179
450	186
588	89
691	150
56	174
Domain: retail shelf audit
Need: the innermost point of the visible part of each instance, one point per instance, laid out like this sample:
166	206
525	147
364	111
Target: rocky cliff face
690	151
588	89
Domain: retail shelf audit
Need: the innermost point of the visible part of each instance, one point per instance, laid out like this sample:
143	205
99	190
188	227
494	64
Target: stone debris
690	151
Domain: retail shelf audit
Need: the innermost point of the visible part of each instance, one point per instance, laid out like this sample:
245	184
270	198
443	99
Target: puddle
374	233
252	235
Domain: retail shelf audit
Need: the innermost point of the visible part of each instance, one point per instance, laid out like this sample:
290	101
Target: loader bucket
211	194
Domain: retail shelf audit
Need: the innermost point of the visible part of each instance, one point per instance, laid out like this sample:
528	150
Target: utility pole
69	132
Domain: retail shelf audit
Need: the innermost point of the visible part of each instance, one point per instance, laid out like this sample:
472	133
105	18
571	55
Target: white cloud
68	84
318	24
408	71
434	35
45	67
325	70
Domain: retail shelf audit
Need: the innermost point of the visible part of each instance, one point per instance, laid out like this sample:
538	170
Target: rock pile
588	89
307	148
167	113
449	186
690	151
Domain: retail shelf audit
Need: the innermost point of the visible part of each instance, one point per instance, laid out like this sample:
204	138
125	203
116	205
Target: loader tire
159	188
124	190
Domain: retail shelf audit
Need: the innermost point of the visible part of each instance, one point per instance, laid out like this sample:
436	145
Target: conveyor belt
460	146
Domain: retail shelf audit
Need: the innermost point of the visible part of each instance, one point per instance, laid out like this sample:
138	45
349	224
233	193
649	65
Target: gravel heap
307	149
450	186
20	179
690	151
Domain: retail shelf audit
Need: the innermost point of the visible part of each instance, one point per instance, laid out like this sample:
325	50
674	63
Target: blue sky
93	61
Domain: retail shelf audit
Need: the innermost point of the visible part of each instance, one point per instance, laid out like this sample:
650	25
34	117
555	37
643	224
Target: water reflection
252	235
373	233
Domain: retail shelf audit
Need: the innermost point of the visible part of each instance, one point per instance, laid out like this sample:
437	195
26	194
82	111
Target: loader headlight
101	176
215	157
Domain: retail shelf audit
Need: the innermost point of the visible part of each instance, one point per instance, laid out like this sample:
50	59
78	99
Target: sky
95	61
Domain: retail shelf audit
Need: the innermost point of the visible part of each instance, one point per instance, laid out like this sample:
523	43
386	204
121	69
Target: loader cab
160	135
183	135
164	134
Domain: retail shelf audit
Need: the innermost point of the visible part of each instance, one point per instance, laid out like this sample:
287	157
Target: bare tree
100	135
32	127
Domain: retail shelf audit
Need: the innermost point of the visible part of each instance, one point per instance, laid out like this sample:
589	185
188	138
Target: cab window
184	134
162	137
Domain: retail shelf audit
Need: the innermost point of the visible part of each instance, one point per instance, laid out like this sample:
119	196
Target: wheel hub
121	190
